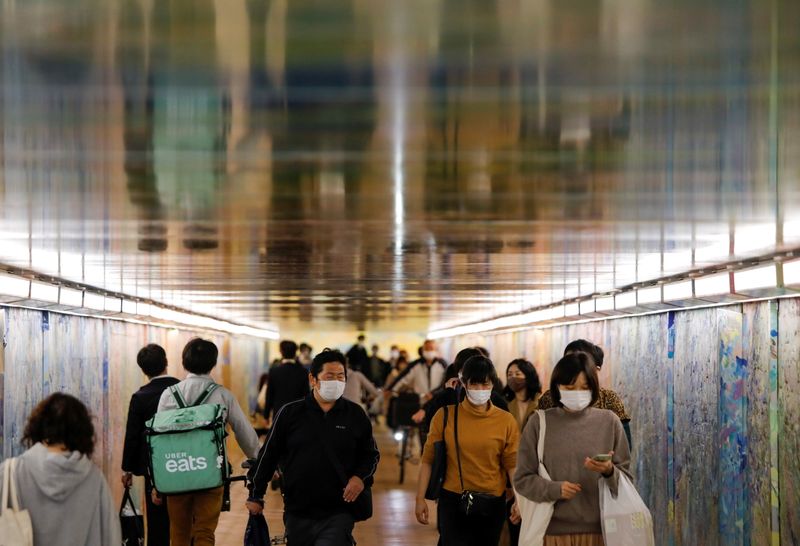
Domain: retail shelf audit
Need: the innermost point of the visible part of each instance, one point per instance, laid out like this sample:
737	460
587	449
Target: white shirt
422	378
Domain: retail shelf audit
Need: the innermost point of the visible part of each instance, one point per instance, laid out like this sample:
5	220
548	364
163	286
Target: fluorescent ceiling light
70	297
129	307
587	307
753	237
680	290
791	272
572	309
760	277
713	285
44	292
715	251
605	303
113	304
649	295
625	299
94	301
11	285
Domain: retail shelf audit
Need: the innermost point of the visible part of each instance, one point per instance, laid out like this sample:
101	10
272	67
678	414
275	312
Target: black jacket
286	383
311	486
143	406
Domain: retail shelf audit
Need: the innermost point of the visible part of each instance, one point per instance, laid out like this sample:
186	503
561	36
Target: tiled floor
392	524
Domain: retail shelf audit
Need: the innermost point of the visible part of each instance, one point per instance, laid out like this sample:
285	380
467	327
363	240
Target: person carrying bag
625	517
480	453
131	523
535	515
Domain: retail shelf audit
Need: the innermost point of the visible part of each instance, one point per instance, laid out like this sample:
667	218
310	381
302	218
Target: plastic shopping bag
257	532
626	519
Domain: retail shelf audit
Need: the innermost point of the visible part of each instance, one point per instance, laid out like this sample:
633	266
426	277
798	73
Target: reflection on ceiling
393	163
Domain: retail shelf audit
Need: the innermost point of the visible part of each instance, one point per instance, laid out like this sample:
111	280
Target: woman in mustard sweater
471	509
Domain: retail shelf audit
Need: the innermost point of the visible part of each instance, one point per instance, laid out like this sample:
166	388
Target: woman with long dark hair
523	390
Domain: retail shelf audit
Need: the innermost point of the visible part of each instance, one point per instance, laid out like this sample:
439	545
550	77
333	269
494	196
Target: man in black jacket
152	359
287	382
307	435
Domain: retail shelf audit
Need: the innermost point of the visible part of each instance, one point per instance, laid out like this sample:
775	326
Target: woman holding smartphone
581	443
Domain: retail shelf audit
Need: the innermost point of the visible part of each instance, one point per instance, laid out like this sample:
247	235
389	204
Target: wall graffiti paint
714	396
732	438
756	350
95	360
789	420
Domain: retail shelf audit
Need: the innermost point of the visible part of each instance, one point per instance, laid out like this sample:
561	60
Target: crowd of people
317	418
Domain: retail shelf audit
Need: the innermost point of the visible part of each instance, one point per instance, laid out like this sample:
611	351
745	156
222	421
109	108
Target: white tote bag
15	524
626	519
535	515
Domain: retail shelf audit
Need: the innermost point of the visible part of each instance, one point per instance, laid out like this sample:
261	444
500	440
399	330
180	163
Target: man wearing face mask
423	376
307	435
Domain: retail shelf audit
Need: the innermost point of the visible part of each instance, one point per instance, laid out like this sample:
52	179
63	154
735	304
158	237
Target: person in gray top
576	434
194	516
66	495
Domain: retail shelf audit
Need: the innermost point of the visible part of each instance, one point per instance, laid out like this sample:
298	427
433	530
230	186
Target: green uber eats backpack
187	445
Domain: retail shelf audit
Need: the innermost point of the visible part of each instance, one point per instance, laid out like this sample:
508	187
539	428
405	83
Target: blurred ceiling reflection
394	163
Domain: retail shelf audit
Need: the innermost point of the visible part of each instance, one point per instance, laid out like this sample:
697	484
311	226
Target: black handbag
132	526
361	508
473	503
439	466
257	532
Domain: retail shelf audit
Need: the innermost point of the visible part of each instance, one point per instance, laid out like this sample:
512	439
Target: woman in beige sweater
576	433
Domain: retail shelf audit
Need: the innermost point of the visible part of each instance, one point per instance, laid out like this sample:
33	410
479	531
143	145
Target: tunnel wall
714	396
95	360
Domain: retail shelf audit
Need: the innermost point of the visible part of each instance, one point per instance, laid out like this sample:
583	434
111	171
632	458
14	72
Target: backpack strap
205	394
176	394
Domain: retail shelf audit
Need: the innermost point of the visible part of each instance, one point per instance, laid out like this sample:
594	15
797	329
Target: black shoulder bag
472	503
439	466
361	508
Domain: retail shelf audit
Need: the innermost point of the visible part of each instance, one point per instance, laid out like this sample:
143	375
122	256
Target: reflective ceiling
394	164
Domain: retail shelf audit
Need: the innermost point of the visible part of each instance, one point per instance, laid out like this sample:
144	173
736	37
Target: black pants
457	529
335	530
157	520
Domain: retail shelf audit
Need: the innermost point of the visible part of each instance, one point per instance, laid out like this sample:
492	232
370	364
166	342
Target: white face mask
395	355
576	400
331	391
429	355
479	397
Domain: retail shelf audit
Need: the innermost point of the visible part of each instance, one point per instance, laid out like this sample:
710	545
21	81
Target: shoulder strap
6	484
542	432
176	394
458	449
205	394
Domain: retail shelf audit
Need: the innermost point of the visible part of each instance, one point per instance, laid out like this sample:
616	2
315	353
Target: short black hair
584	346
61	419
288	349
200	356
478	369
567	371
361	337
325	357
484	351
152	359
462	356
533	385
305	346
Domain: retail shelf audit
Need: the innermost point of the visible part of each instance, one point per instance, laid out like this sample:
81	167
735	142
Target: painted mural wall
95	360
714	396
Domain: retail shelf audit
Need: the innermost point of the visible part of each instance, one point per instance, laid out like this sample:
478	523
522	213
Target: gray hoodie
68	499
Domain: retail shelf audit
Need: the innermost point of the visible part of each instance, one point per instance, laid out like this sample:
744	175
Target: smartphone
602	458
